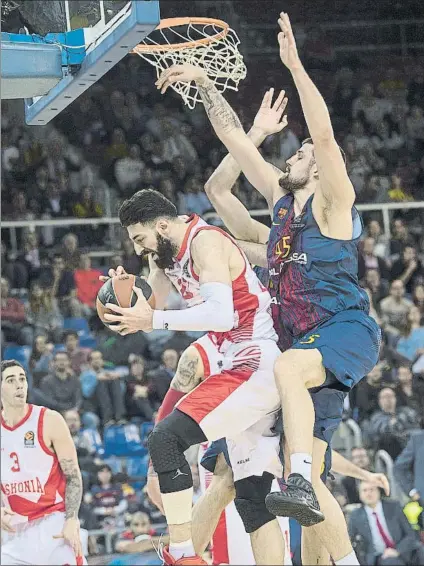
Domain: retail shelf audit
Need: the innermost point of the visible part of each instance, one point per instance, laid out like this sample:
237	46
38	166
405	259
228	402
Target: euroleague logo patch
29	439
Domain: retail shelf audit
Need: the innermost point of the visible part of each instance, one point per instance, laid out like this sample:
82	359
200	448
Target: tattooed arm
189	371
228	128
58	437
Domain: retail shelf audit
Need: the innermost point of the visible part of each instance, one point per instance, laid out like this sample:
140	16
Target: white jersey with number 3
32	482
252	302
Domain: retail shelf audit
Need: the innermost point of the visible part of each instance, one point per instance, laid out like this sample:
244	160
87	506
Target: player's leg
265	534
333	531
208	508
295	372
167	443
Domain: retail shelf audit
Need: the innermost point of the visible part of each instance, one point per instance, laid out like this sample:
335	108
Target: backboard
88	38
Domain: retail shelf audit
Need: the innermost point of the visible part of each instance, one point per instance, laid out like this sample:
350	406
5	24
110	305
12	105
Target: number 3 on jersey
16	467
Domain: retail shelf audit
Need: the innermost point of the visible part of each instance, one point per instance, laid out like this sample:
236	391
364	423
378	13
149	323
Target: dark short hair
311	141
73	333
10	364
146	206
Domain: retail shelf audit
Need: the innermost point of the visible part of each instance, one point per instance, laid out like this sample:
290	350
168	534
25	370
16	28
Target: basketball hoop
204	42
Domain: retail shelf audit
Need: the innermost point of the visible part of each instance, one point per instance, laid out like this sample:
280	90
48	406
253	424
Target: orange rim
173	22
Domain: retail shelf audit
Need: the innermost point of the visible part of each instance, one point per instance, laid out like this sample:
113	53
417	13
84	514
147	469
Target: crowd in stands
121	136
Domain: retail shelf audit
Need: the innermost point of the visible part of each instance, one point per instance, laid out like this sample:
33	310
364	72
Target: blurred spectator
87	282
161	377
40	359
378	287
14	327
43	313
395	308
108	502
128	170
13	271
53	203
381	242
78	356
397	191
400	237
415	128
193	199
70	252
419	298
370	108
61	389
318	52
86	206
131	262
385	535
411	343
117	148
30	257
62	283
365	395
103	388
391	426
410	391
368	260
392	86
359	457
408	269
140	537
137	396
409	466
387	142
87	442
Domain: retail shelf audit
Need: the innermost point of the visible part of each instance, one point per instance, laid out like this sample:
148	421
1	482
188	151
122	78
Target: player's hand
390	553
288	50
132	319
269	115
153	492
379	480
113	273
180	73
71	534
6	515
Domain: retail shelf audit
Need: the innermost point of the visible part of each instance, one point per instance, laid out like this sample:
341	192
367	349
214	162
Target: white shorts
239	401
33	543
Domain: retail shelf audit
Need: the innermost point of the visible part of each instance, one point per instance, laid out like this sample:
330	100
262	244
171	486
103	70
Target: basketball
119	291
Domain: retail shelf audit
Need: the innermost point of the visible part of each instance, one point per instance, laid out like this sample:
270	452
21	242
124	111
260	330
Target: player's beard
165	253
292	185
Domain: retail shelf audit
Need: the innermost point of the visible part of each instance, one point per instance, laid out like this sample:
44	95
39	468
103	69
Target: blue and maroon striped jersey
311	277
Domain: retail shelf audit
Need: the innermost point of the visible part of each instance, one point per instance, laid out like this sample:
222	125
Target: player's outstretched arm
335	184
228	128
345	467
57	432
234	214
255	253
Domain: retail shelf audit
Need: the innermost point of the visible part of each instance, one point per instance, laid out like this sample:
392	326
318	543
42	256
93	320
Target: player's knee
250	501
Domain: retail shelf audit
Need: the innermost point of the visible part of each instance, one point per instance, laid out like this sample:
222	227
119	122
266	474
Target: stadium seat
137	466
116	464
19	353
145	430
123	440
80	325
88	342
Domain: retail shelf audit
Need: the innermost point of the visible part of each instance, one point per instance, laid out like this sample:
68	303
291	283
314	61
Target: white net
207	45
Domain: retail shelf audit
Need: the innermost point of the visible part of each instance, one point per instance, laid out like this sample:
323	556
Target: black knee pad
250	501
167	443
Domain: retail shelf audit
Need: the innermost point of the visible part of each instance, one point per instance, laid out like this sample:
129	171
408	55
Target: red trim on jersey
40	432
204	357
211	392
220	554
20	423
193	221
168	404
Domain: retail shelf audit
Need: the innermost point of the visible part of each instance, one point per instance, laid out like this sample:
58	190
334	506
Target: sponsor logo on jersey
29	439
30	486
296	257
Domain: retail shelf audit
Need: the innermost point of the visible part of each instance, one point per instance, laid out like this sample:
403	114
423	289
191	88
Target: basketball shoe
168	560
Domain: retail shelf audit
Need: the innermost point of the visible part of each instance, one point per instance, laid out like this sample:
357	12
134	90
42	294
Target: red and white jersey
32	482
252	302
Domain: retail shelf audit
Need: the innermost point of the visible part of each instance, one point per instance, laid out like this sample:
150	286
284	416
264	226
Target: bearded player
240	402
41	484
328	340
